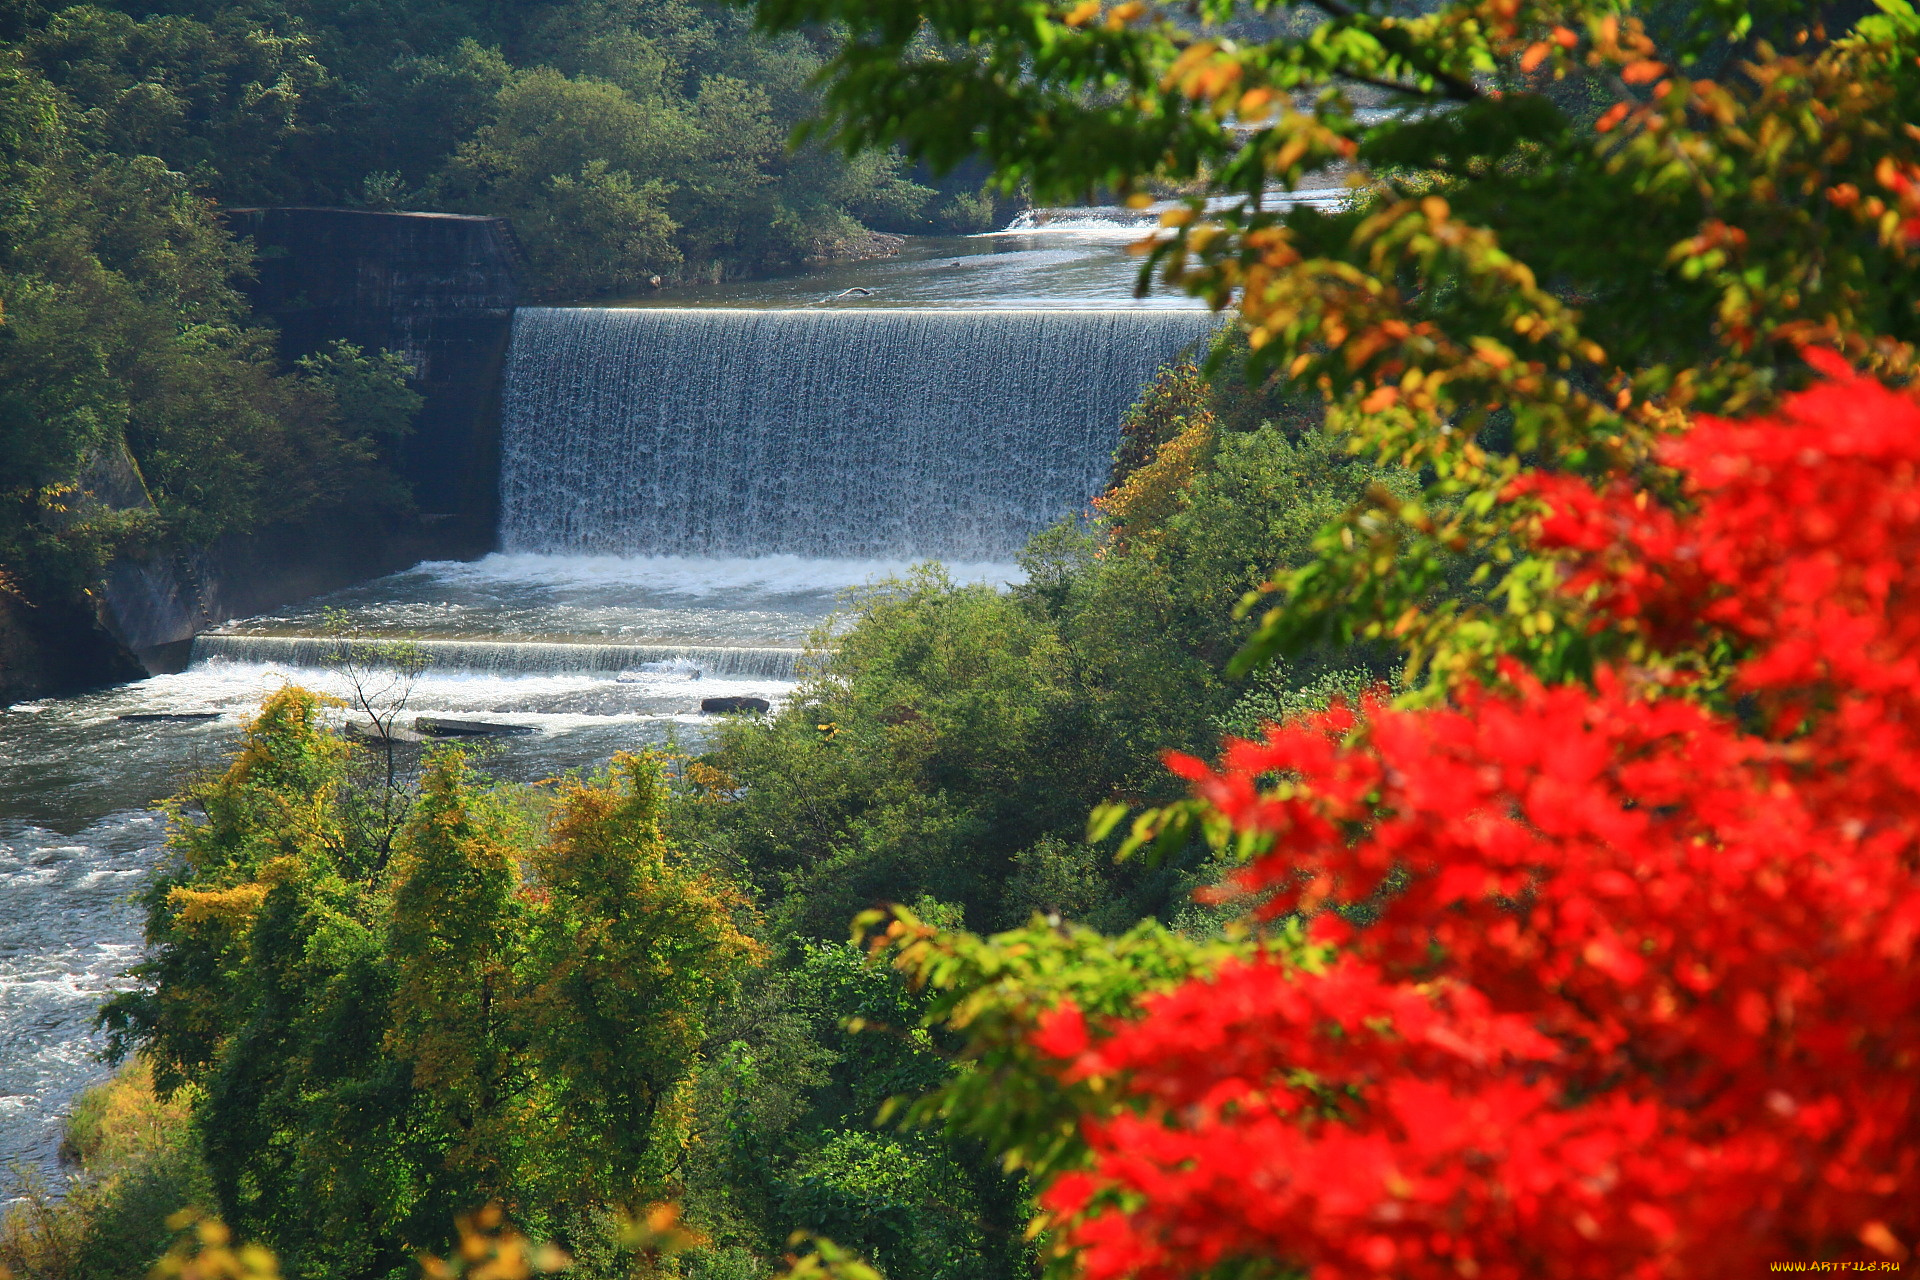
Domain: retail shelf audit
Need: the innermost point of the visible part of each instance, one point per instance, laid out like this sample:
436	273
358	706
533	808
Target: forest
1446	809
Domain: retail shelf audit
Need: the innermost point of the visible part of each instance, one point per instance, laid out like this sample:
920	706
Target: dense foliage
1609	965
1563	234
136	405
360	989
627	139
505	1003
953	738
1641	992
1600	963
137	1165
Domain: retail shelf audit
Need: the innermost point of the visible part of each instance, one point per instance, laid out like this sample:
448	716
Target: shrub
137	1163
1641	991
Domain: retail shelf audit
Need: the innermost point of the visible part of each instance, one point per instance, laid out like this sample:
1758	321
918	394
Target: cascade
849	433
510	658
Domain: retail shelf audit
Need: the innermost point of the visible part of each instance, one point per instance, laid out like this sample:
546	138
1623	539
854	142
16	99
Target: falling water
951	434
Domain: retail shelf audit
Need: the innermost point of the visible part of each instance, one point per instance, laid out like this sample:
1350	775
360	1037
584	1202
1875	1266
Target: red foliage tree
1640	994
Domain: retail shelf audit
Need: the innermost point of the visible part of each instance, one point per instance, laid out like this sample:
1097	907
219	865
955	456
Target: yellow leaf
1256	105
225	906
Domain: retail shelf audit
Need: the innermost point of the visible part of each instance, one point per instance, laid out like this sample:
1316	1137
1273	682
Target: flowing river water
686	496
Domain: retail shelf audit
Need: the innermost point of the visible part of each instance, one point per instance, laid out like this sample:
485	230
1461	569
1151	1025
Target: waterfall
841	434
508	657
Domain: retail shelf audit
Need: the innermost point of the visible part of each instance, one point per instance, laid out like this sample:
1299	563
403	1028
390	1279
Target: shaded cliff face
437	287
57	647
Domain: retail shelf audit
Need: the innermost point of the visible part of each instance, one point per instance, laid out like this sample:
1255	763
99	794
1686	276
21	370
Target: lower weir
508	658
842	434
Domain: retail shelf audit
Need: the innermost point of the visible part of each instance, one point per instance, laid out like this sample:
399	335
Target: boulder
718	706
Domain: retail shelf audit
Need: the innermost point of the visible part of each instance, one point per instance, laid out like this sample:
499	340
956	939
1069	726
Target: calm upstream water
1043	258
681	512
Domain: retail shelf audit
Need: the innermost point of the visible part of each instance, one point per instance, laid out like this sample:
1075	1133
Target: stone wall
439	288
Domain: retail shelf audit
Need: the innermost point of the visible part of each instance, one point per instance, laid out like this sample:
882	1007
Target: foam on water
1121	225
504	658
762	601
70	931
1096	224
704	577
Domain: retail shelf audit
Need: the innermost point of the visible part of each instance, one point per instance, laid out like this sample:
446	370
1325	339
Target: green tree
627	138
459	950
509	1008
1565	235
136	404
634	950
794	1138
1475	311
217	99
580	163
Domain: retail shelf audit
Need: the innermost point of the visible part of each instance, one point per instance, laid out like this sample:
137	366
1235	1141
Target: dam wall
440	289
871	433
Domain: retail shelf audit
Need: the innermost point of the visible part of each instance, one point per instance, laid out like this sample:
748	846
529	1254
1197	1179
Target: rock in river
718	705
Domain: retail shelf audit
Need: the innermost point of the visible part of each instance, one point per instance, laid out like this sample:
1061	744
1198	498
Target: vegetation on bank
954	739
627	139
137	404
136	1164
140	408
1580	961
